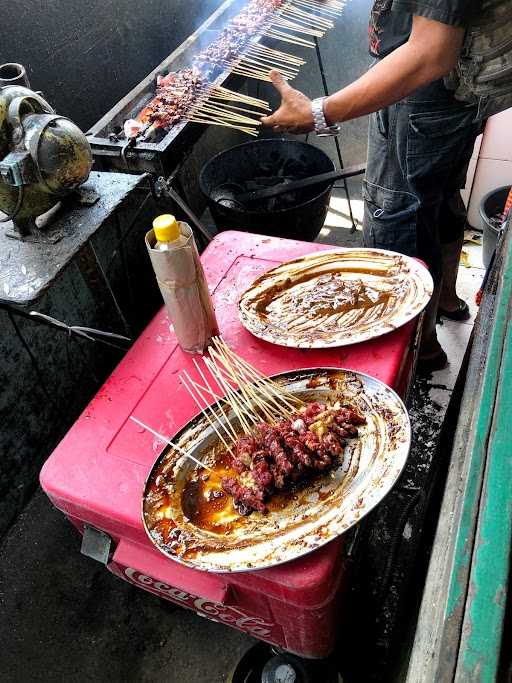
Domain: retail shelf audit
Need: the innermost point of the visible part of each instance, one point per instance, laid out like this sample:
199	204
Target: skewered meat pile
185	94
176	93
277	457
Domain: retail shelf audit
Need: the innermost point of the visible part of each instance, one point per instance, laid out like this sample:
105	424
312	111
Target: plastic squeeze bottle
182	282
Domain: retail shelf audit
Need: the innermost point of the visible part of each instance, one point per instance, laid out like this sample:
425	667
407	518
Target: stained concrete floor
63	617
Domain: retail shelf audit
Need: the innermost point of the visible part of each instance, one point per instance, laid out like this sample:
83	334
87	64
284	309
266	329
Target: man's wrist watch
321	126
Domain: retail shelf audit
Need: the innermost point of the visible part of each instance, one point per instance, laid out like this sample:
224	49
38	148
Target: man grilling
420	142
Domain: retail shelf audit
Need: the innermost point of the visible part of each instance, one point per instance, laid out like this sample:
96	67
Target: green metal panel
486	602
461	621
465	540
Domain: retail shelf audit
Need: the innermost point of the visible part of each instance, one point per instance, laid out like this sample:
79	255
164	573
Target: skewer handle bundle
184	289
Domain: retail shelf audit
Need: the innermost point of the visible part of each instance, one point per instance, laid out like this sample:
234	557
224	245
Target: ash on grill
278	457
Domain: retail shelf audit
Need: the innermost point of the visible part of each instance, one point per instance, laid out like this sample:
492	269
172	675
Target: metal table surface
97	473
28	268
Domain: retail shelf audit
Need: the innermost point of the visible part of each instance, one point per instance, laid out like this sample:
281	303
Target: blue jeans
418	155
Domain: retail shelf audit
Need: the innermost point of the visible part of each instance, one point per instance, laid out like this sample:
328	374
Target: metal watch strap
321	126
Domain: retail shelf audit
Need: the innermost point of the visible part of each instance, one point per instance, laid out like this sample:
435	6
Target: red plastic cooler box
96	475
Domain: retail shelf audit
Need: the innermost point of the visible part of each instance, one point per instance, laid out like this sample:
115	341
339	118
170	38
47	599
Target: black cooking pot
297	215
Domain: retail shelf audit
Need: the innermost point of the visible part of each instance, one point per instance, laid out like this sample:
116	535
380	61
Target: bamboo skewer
213	122
260	76
288	38
203	411
222	375
264	70
226	114
280	406
170	443
258	376
326	9
215	107
273	54
251	396
334	5
303	22
230	394
245	387
300	14
223	93
219	405
275	399
297	28
266	64
235	108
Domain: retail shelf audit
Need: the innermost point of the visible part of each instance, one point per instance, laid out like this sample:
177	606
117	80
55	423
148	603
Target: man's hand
294	115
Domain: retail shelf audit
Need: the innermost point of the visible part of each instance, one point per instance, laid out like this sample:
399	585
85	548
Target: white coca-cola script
216	611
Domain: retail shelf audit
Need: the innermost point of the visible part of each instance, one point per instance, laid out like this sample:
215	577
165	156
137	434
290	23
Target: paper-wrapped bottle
173	253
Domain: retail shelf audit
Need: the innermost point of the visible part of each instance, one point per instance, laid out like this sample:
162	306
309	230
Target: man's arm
430	53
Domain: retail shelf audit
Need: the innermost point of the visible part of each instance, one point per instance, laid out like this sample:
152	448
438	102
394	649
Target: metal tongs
284	187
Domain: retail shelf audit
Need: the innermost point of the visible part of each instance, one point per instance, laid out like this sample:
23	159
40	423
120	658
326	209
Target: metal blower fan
44	157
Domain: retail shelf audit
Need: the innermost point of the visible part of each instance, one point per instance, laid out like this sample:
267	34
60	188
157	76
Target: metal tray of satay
189	521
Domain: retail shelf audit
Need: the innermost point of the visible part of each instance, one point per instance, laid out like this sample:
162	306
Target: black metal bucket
299	215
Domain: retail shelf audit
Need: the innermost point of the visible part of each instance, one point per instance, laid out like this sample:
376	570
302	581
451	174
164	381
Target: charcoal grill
163	155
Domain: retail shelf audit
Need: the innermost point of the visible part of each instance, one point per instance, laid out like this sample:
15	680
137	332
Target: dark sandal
459	314
428	365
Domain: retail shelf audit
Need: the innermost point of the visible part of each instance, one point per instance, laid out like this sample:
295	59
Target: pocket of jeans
390	218
432	131
436	143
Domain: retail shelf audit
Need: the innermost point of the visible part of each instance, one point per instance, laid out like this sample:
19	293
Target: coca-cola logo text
233	616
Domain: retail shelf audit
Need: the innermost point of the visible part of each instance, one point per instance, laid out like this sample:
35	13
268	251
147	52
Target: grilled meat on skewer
278	456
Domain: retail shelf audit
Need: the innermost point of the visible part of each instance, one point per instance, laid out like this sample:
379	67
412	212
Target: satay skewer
212	122
235	108
262	73
226	114
175	447
302	15
231	396
302	22
203	411
328	10
271	64
215	396
262	64
260	76
278	55
256	374
248	390
297	28
220	90
287	38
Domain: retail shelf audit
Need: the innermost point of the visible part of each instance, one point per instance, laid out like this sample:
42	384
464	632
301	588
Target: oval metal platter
297	523
335	298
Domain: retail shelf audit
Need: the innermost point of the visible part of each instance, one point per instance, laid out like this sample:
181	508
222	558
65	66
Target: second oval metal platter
335	298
